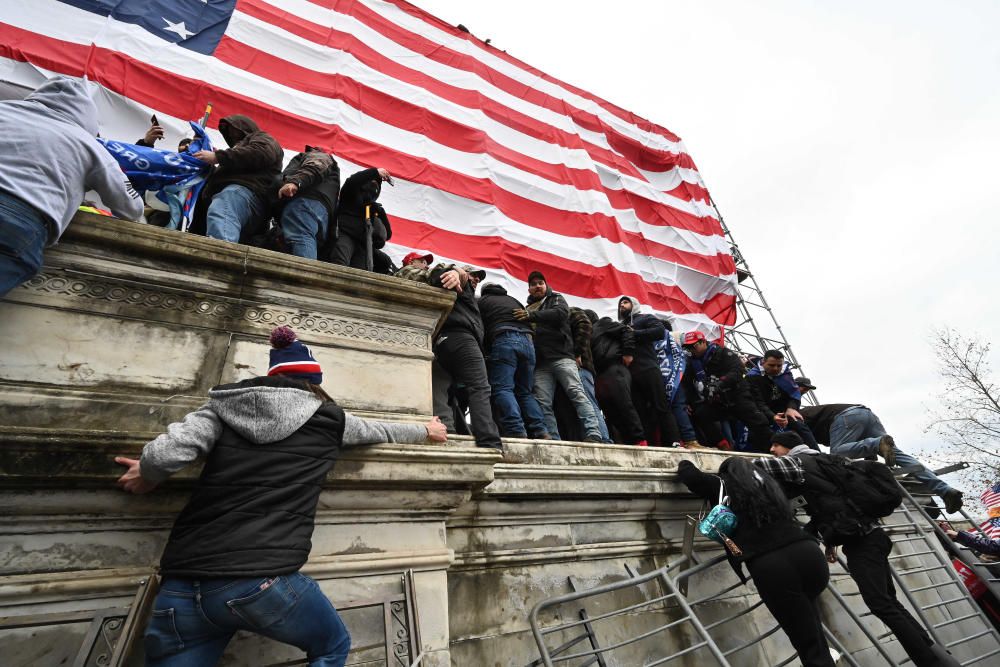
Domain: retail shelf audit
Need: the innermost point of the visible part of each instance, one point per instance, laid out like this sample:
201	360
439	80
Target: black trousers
789	580
650	398
459	359
868	562
737	406
613	387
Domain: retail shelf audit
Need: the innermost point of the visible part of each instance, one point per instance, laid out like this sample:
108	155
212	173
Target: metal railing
912	523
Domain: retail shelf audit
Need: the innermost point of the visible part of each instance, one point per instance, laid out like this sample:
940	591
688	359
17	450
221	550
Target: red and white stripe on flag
497	164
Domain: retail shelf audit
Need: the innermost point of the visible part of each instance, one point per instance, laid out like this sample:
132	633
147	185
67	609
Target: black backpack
845	497
868	485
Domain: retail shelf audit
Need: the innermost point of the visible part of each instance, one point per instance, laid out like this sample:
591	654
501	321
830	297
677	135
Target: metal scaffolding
756	329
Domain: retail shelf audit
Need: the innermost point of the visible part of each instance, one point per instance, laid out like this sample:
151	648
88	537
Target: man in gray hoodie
51	157
233	557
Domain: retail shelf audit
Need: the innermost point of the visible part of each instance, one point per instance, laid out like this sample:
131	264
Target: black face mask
371	190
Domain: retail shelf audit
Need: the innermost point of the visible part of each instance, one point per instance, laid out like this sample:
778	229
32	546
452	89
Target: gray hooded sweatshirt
261	415
51	156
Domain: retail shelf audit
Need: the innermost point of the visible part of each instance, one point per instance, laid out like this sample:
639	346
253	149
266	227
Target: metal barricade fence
910	523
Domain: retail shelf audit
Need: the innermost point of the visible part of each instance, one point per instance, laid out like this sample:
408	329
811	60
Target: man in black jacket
311	182
358	198
458	351
855	432
235	201
510	361
648	391
555	363
866	546
232	560
718	390
777	395
613	347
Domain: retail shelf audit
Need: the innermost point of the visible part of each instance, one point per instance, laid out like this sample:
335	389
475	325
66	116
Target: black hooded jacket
553	339
648	329
609	342
497	308
252	160
362	189
464	315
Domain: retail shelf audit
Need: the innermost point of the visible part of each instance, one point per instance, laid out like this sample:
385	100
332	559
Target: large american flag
496	163
991	499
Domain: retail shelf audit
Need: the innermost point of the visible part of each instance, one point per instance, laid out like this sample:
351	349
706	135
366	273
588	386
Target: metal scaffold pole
756	329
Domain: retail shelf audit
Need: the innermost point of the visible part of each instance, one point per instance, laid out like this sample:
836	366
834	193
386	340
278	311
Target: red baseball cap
417	255
692	337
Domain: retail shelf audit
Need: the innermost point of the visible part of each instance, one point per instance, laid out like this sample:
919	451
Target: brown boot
887	450
690	444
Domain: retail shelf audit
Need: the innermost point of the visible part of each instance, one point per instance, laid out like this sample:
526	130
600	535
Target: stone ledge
149	241
40	587
32	458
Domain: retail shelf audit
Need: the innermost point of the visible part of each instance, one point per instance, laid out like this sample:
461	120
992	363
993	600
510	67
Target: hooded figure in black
613	347
359	194
648	391
235	203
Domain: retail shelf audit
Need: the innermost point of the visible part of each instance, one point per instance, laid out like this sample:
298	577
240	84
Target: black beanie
788	439
536	275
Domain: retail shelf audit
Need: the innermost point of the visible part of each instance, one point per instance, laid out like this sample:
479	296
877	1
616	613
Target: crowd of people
540	368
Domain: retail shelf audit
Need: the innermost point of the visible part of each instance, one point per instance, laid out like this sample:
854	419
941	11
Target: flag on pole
498	164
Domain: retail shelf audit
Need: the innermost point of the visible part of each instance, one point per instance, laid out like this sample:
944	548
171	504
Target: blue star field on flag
193	24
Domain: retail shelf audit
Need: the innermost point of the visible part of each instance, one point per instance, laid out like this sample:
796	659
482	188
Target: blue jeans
856	432
511	368
679	407
193	620
587	378
231	212
567	374
303	224
23	235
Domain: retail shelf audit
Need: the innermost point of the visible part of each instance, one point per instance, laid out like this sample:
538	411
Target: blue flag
193	24
178	177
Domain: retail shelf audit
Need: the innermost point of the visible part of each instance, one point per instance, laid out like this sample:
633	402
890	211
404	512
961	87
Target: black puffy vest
254	508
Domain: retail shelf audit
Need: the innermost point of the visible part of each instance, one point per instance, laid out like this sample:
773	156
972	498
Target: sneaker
541	436
887	450
594	438
642	443
952	500
724	445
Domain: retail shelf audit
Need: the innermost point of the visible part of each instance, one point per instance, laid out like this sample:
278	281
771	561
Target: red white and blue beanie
291	357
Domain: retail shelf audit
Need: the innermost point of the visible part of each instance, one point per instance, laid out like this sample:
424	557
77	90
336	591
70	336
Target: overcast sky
850	146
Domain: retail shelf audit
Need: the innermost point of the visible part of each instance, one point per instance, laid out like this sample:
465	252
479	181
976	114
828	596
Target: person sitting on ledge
310	186
234	204
361	191
233	557
51	158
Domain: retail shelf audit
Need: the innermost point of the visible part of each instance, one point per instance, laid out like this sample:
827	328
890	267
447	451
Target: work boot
952	500
690	444
887	450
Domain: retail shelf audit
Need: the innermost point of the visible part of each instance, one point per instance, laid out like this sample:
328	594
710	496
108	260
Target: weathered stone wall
126	329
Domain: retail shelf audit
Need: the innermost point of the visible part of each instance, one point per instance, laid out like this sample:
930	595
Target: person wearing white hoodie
51	157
